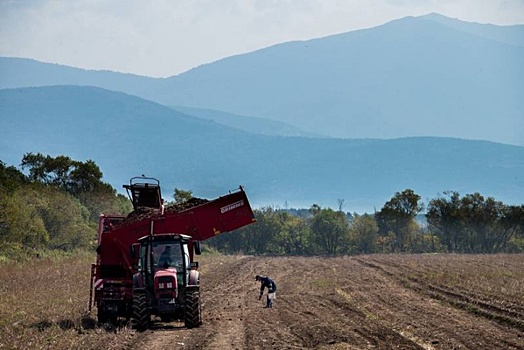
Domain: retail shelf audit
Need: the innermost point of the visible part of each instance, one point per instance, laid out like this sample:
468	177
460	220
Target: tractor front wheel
141	317
102	316
193	312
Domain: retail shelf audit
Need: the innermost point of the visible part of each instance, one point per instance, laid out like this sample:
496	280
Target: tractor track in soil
509	314
366	302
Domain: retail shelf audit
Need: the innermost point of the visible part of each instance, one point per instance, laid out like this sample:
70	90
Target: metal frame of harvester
128	281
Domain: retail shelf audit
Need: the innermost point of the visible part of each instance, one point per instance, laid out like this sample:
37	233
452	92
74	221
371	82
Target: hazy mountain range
423	76
355	116
129	136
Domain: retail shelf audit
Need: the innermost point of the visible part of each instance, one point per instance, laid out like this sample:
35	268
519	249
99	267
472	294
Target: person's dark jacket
266	282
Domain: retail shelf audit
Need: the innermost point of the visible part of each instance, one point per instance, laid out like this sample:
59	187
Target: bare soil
367	302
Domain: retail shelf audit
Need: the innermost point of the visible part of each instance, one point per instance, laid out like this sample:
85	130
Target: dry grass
44	303
500	276
491	286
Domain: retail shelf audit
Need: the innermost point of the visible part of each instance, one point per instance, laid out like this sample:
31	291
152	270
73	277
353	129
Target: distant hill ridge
512	35
415	76
126	135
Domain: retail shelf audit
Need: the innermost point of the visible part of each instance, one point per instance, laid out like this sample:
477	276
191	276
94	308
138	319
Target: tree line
451	224
55	204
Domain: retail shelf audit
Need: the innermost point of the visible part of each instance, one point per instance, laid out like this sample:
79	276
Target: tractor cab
164	281
163	254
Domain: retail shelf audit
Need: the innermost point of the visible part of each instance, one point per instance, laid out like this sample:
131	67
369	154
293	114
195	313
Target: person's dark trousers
269	302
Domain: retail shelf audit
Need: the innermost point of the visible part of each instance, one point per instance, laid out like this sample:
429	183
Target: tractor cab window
144	262
167	255
186	256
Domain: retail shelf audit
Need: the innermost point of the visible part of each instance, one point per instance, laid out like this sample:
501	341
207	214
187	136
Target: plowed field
367	302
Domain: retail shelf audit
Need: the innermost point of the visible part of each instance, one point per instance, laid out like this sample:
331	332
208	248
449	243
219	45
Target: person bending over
266	282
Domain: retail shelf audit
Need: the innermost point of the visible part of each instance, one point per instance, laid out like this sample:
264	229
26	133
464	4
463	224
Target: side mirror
198	248
134	249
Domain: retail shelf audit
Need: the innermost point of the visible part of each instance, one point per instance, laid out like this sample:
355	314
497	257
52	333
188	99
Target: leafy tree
20	224
182	196
364	233
275	232
444	216
330	231
295	236
291	234
36	165
73	176
11	178
48	170
397	217
65	220
81	179
299	213
56	206
104	202
513	224
258	238
485	226
474	224
86	177
422	241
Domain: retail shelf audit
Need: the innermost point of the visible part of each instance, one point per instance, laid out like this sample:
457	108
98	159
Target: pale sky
167	37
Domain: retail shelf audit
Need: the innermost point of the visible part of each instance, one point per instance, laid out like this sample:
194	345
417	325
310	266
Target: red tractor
145	263
167	284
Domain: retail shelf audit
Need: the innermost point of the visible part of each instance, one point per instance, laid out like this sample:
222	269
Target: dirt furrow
321	316
330	304
443	324
509	315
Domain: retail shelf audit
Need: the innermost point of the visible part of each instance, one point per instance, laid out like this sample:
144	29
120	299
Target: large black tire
141	318
102	316
105	316
193	312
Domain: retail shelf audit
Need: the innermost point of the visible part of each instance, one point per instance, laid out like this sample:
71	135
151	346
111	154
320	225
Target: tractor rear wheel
193	312
141	318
